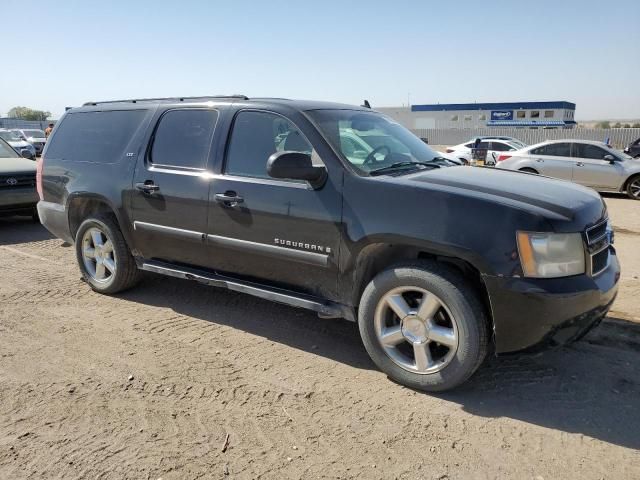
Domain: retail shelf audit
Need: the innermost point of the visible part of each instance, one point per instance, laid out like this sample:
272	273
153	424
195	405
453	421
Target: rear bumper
54	217
530	314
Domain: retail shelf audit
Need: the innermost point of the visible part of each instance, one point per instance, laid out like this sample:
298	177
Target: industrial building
559	114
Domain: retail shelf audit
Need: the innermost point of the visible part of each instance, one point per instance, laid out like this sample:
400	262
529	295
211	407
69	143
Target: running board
279	295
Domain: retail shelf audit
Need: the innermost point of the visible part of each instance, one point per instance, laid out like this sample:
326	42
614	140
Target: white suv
588	163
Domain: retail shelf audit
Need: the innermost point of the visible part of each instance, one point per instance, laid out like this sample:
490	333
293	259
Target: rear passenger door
553	160
171	187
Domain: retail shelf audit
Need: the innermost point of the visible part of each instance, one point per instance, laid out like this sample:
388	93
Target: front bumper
17	200
54	217
530	313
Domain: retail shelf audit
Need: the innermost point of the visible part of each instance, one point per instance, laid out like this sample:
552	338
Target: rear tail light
449	150
503	157
39	166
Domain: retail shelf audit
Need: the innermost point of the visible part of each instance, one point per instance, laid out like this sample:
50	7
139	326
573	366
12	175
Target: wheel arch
625	184
377	257
79	206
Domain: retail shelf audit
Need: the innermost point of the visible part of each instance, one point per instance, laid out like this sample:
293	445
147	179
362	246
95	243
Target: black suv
294	202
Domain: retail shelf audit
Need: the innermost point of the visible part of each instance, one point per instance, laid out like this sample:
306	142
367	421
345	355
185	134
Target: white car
493	145
588	163
21	146
35	137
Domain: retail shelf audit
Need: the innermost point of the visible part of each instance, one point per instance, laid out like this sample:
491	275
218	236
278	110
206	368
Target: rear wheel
423	326
529	170
633	187
103	256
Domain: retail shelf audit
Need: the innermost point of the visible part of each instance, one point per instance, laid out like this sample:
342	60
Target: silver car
21	146
35	137
588	163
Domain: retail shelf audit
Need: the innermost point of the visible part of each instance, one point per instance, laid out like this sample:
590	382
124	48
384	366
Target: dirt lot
297	396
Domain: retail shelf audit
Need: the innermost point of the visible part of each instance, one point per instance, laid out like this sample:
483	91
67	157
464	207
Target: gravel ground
150	383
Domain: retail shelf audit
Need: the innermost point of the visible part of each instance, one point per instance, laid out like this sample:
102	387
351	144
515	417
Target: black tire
34	216
126	272
457	296
529	170
632	187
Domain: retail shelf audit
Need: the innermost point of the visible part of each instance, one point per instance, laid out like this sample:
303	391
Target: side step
279	295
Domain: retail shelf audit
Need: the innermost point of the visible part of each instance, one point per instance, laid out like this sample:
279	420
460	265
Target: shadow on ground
18	230
590	388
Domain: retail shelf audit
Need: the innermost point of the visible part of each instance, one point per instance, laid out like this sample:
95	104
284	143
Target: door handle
579	164
230	199
539	160
147	187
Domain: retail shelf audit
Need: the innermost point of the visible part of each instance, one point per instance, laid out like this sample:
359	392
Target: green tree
604	125
26	113
617	125
626	125
636	125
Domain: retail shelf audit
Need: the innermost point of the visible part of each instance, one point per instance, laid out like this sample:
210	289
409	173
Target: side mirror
26	154
295	166
610	158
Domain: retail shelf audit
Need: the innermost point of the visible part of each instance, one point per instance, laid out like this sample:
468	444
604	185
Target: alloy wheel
634	188
98	256
416	330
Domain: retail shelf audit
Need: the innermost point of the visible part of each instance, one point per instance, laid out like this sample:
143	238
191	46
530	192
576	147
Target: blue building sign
502	115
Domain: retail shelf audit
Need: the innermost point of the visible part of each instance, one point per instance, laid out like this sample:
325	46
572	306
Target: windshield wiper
395	166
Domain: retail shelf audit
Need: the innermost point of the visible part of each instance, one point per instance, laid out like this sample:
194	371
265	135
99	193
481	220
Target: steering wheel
371	159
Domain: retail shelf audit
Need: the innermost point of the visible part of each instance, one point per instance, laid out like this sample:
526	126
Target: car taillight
449	150
503	157
39	166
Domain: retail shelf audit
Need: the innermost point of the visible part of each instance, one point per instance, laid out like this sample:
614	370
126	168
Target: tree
604	125
26	113
617	125
636	125
626	125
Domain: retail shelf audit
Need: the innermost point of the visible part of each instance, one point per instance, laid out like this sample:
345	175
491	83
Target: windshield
33	133
9	136
6	151
371	141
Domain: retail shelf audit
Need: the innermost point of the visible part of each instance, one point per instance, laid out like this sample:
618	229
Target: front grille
598	243
17	181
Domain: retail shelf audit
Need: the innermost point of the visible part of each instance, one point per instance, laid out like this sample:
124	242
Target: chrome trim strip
176	232
311	258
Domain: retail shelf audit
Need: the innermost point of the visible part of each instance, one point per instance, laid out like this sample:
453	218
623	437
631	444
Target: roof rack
177	99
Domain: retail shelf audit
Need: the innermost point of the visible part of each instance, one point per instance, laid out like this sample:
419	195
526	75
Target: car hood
37	139
16	166
557	200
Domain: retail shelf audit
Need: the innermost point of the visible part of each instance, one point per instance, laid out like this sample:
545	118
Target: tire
459	312
118	271
529	170
34	216
633	187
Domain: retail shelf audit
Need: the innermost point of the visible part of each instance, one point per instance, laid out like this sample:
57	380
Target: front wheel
423	326
633	188
103	256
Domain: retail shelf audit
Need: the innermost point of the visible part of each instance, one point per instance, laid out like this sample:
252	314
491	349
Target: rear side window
97	137
500	147
183	138
554	149
255	137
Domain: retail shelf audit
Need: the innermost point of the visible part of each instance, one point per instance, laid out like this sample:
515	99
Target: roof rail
177	99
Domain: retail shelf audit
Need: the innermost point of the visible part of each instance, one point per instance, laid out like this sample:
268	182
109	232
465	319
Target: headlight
551	255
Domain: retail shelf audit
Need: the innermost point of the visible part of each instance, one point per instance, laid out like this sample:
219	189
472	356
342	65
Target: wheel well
82	207
628	180
376	258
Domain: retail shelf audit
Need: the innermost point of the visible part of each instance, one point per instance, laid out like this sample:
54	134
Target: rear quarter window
96	137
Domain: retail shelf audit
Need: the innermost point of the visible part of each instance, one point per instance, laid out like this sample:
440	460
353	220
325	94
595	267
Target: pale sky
585	52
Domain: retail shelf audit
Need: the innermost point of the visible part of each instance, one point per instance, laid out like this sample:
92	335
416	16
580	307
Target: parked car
200	189
35	137
17	183
23	147
589	163
494	147
633	149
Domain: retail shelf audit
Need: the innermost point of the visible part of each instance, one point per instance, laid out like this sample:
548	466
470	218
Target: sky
389	52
